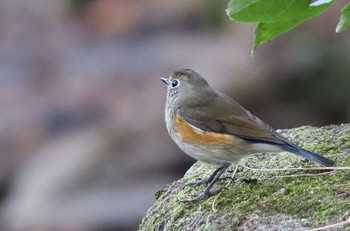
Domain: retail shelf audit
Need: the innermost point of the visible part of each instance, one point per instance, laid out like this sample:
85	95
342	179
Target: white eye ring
174	83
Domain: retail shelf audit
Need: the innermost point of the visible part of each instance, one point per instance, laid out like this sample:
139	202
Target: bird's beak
165	80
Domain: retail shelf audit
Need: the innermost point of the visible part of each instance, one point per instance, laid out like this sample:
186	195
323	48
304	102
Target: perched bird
213	128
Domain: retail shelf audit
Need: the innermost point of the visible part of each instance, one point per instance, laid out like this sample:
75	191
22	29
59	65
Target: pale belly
211	153
219	154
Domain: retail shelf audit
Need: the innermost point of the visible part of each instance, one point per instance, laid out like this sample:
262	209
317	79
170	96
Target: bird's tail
308	155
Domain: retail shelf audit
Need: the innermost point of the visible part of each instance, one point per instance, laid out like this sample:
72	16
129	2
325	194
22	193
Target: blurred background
83	144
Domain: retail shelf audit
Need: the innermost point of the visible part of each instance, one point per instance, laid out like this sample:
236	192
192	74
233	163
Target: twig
341	185
315	174
228	183
336	225
294	169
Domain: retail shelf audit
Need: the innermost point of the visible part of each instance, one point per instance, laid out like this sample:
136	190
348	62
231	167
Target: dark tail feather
309	155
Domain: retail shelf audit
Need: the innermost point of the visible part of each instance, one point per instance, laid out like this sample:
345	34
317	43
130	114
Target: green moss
312	201
159	193
344	139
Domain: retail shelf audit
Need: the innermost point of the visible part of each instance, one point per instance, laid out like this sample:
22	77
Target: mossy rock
264	200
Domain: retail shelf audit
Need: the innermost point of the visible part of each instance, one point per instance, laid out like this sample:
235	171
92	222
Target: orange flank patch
192	134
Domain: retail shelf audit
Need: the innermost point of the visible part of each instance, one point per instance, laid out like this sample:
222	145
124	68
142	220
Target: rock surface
258	200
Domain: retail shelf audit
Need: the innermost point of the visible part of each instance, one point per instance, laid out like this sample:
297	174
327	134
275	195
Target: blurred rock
85	180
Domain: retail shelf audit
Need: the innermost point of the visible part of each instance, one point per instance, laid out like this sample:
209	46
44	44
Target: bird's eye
174	83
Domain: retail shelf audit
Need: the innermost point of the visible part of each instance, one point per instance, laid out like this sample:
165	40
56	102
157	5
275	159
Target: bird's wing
251	130
236	121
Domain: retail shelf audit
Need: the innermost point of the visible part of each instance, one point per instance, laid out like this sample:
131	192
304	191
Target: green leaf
344	20
265	32
268	10
274	16
237	6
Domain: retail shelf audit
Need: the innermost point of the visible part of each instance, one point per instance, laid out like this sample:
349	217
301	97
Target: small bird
213	128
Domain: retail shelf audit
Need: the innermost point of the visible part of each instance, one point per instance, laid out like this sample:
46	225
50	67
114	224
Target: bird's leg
207	179
215	177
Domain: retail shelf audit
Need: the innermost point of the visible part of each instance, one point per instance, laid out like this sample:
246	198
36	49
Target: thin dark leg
207	179
218	172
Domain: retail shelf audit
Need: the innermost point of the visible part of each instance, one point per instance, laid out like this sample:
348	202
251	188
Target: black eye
174	83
